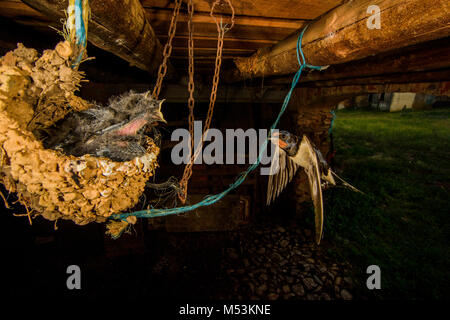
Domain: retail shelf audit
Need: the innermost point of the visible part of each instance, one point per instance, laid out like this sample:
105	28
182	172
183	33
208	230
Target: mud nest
36	92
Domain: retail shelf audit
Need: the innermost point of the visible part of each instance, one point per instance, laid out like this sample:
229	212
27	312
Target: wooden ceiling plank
200	38
181	42
238	32
251	33
208	58
213	50
19	11
299	9
155	15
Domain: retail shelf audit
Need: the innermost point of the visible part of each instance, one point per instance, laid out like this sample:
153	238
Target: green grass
402	162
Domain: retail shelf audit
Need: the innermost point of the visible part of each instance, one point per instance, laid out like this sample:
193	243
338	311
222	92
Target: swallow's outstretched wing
307	158
310	162
282	170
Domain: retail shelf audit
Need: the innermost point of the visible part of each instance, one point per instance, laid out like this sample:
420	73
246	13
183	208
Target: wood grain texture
416	58
299	9
342	35
249	33
119	27
310	98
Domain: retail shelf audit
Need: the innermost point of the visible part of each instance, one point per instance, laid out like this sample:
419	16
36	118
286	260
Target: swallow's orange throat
282	144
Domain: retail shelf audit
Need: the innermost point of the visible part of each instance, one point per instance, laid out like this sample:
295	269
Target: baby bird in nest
115	131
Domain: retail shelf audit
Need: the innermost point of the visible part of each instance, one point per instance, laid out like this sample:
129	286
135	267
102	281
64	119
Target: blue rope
79	23
211	199
333	113
80	28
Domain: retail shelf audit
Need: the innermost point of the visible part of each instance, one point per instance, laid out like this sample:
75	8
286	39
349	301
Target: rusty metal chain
188	169
221	30
167	50
191	87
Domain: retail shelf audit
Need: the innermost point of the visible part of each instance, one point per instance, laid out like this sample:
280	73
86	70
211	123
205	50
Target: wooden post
342	35
119	27
315	124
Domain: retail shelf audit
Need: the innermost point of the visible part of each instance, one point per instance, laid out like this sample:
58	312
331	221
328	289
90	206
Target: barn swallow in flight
115	131
293	153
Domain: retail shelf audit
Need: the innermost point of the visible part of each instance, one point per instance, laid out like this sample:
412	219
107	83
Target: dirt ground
269	260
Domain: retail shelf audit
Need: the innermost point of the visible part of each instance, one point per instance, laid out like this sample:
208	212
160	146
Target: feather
308	158
312	170
317	170
281	173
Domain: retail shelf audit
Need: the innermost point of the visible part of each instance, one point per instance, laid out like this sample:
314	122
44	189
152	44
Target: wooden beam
16	9
411	77
249	33
310	98
342	35
175	93
22	13
416	58
432	55
119	27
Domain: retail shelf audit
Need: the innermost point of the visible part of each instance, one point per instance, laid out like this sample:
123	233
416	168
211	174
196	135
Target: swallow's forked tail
345	183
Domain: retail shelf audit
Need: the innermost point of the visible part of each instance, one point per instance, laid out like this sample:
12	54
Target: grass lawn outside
402	163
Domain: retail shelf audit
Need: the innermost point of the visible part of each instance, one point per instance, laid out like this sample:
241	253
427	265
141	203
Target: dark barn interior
238	248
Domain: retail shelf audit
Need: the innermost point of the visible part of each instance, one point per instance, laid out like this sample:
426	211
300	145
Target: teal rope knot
211	199
300	53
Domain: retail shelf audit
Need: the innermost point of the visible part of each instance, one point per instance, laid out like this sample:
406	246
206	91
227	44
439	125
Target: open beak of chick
157	115
147	118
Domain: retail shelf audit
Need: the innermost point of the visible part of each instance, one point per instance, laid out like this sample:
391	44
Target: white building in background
396	101
402	101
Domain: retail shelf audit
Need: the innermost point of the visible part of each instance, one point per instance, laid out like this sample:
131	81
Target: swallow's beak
158	116
275	139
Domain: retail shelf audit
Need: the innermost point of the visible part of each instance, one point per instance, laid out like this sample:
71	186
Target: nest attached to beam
36	92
